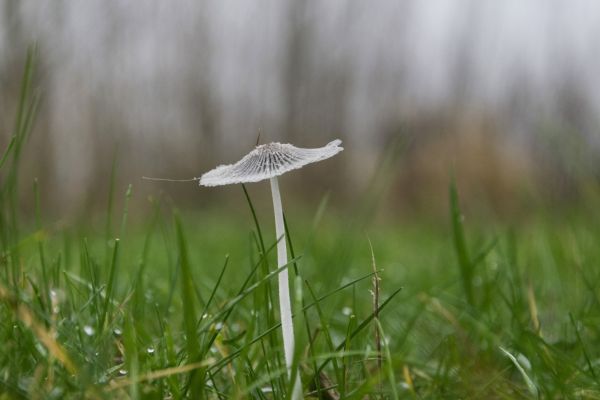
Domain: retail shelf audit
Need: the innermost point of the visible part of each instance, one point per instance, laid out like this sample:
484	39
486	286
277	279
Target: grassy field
183	305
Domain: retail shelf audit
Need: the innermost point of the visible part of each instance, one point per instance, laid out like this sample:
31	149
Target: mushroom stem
285	307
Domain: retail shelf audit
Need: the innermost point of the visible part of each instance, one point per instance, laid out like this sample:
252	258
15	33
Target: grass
181	305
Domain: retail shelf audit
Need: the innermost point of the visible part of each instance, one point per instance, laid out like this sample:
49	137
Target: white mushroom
268	161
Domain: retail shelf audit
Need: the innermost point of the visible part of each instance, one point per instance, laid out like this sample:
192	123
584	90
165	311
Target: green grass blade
389	361
25	115
583	349
460	245
328	337
339	289
131	357
347	358
26	83
189	312
8	150
362	325
528	381
40	242
302	302
268	294
215	287
109	207
139	283
128	194
109	288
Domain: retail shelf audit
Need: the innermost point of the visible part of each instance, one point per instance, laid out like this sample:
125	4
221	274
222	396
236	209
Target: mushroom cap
267	161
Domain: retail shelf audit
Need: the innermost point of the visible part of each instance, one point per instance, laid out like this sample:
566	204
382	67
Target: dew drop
57	295
122	372
150	350
346	311
88	330
524	361
117	332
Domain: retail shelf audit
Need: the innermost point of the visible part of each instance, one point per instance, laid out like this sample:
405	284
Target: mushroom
268	161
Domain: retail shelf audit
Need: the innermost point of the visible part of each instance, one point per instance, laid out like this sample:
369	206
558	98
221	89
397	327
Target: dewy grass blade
165	373
28	318
530	385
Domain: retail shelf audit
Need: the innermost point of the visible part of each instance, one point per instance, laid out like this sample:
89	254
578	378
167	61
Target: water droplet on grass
88	330
150	350
56	297
524	361
346	311
122	372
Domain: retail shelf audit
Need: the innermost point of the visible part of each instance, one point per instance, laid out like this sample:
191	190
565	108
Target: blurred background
502	95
